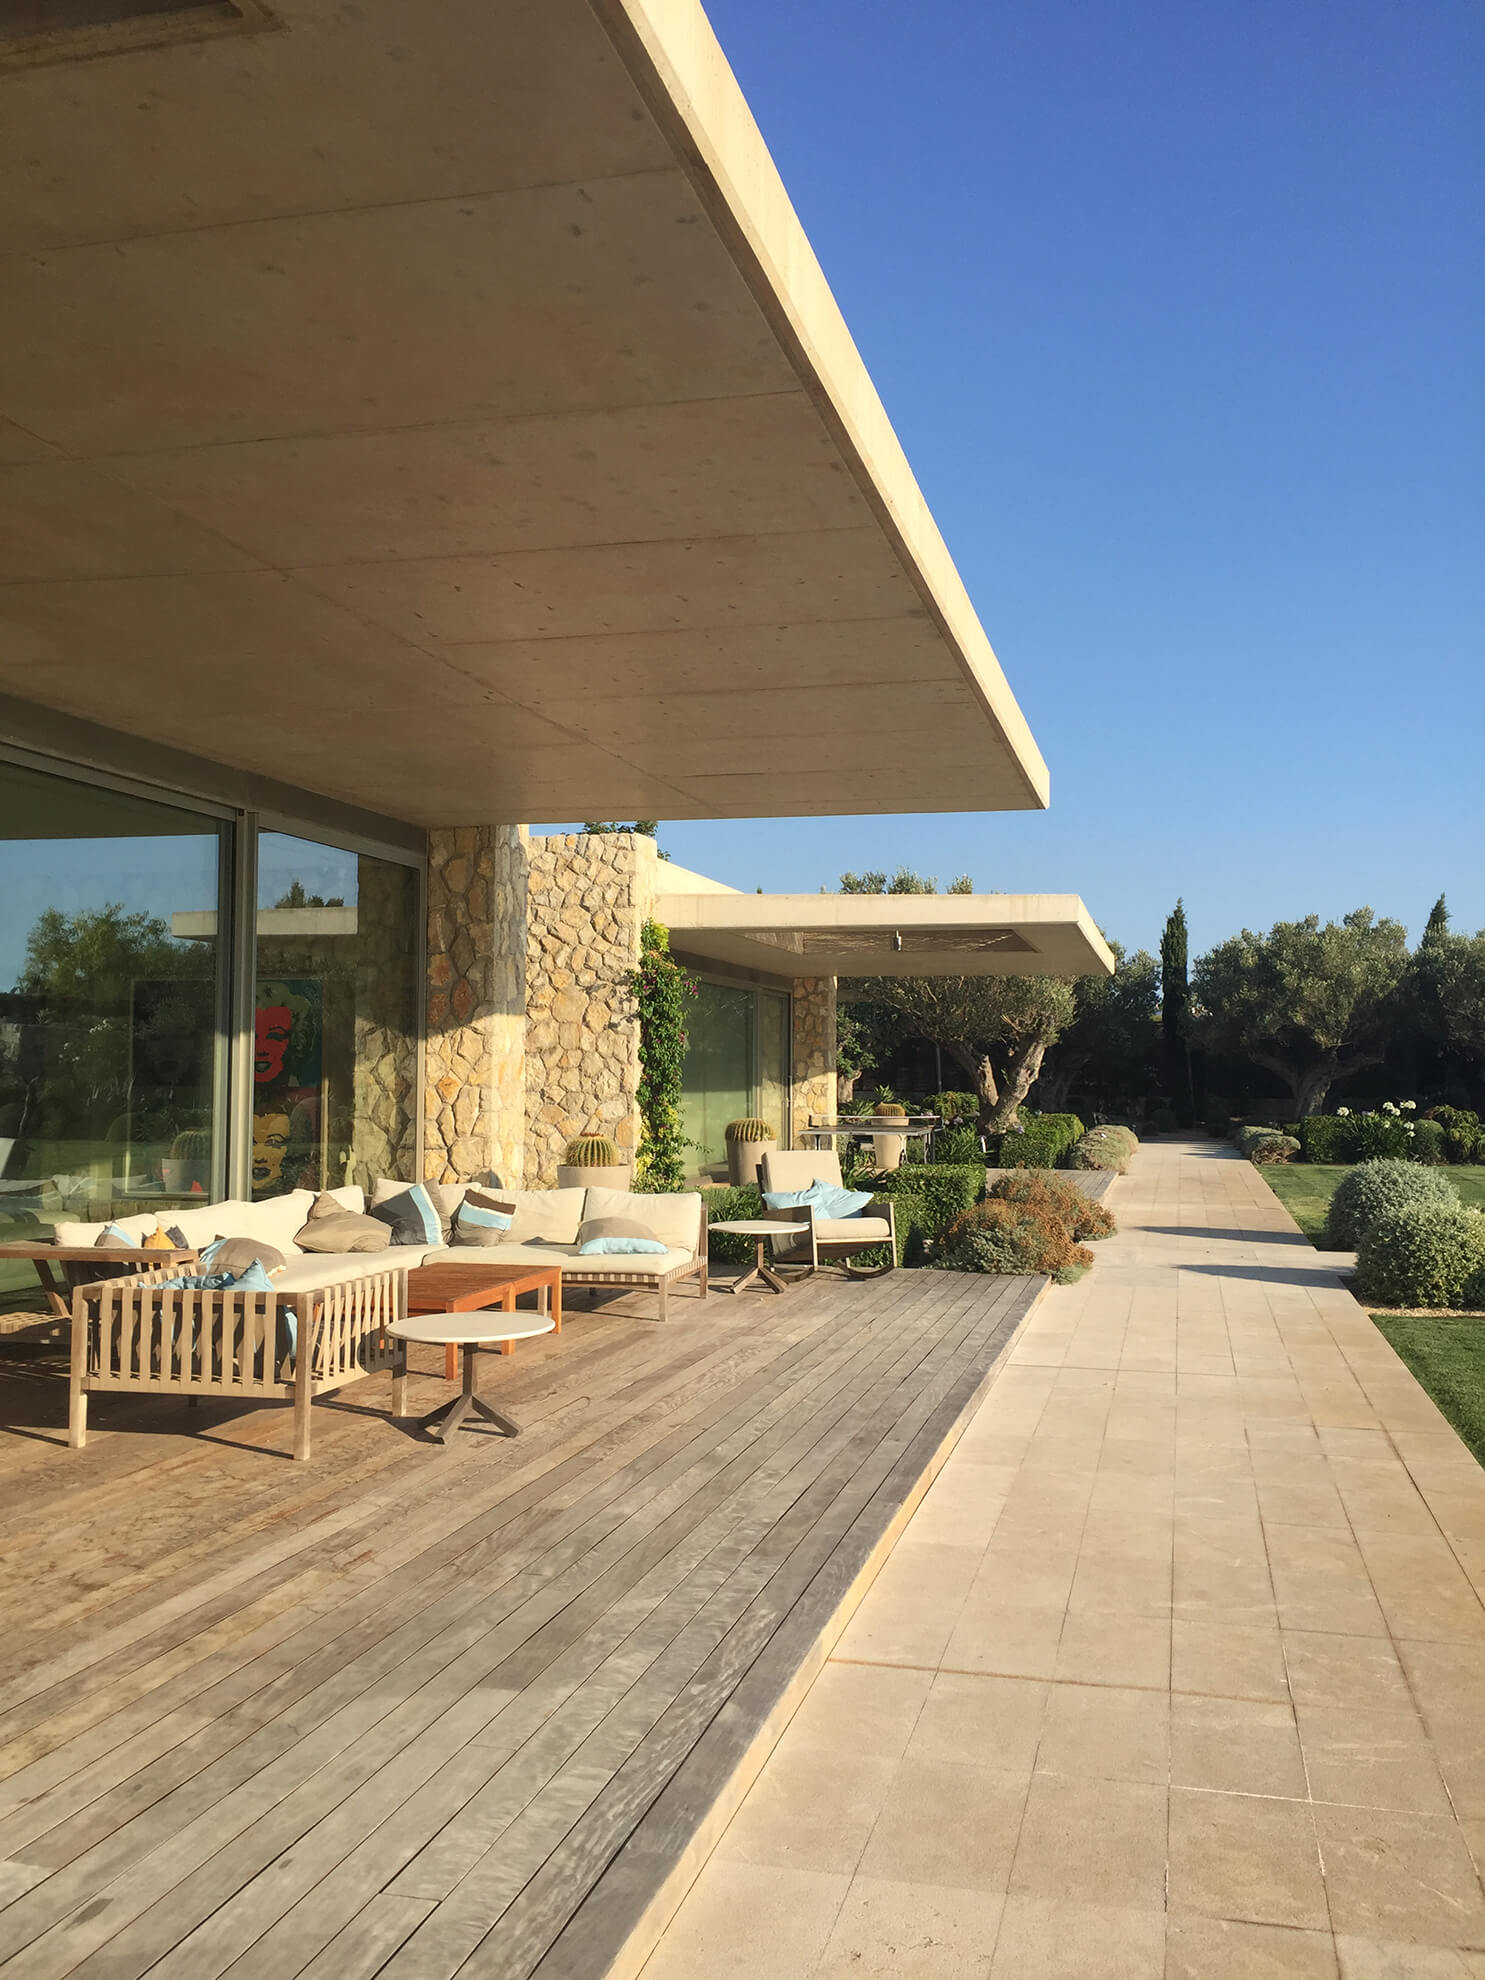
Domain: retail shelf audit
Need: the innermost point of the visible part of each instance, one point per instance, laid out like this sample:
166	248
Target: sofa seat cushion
564	1256
304	1272
674	1219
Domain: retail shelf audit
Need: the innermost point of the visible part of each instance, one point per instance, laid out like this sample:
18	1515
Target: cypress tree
1175	995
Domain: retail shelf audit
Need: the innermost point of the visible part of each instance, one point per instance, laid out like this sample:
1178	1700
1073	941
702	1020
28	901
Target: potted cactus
747	1143
593	1162
888	1149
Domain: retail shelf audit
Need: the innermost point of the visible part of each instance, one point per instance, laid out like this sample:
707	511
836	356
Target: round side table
760	1230
468	1330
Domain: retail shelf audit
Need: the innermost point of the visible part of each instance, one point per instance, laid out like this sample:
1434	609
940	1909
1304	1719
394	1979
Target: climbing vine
662	989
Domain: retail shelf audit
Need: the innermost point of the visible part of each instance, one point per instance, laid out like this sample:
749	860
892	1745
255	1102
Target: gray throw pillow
331	1227
234	1255
607	1227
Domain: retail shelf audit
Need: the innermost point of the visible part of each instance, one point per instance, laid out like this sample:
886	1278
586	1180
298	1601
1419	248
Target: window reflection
109	1000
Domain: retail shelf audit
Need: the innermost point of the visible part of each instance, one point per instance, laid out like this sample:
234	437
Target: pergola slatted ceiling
442	409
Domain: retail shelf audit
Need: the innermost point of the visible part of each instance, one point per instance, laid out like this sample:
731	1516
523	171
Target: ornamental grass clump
1375	1188
1042	1189
1424	1254
996	1236
1104	1148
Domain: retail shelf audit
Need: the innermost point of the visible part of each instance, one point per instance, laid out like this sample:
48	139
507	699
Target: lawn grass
1448	1359
1305	1190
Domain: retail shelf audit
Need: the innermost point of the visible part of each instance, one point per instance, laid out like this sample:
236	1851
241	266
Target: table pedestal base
761	1274
448	1417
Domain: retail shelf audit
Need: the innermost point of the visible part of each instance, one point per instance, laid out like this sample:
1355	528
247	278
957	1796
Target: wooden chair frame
617	1274
810	1252
132	1336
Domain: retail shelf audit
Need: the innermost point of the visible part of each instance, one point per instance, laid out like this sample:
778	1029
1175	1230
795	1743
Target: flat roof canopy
889	934
440	408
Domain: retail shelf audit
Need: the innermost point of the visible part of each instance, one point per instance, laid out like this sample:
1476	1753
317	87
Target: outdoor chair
828	1240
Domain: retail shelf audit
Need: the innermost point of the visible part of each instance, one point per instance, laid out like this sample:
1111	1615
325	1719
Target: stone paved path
1178	1671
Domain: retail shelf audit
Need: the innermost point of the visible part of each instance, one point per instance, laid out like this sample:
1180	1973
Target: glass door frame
761	990
237	927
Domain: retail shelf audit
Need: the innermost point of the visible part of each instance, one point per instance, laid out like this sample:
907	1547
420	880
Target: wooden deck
418	1712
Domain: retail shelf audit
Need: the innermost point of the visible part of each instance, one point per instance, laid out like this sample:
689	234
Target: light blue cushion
829	1199
611	1247
419	1200
120	1236
254	1279
789	1199
483	1220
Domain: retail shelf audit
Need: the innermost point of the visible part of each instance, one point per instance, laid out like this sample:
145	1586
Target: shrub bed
1423	1254
1045	1190
926	1199
957	1145
1374	1189
1461	1128
732	1206
1041	1142
1104	1148
996	1236
1265	1145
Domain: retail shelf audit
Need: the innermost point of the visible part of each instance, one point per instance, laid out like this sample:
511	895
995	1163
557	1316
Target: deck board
421	1712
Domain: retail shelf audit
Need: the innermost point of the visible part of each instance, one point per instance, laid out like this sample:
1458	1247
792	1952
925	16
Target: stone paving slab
1178	1672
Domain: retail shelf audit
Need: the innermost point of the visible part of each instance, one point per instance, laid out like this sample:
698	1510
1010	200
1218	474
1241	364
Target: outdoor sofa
325	1317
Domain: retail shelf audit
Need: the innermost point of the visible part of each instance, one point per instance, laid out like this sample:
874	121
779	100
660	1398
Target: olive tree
1307	1002
1104	1050
996	1029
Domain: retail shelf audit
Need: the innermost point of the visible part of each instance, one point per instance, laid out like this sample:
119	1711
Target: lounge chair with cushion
829	1239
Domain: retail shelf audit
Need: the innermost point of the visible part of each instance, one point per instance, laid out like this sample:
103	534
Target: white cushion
797	1168
851	1230
307	1270
551	1215
135	1228
675	1220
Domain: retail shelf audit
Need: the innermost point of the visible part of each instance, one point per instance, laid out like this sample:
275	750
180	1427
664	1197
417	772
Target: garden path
1178	1670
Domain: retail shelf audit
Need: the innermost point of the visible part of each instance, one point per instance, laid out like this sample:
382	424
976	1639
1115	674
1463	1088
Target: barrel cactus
890	1108
751	1130
593	1151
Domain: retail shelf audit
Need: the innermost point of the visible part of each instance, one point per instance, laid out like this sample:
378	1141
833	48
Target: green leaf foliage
661	990
1043	1142
1422	1254
1375	1189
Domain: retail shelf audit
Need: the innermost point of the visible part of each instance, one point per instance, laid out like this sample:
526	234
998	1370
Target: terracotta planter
568	1177
745	1160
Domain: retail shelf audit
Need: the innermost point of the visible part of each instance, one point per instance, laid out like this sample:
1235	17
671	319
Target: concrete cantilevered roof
439	407
889	934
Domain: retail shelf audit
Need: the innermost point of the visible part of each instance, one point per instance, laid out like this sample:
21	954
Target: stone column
589	895
384	1115
475	1063
814	1050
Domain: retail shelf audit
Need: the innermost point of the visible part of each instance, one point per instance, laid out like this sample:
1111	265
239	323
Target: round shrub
1266	1146
1374	1188
1421	1255
1104	1148
995	1236
1462	1138
1429	1144
1043	1189
1472	1292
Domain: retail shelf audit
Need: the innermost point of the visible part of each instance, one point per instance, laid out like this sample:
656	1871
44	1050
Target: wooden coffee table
461	1288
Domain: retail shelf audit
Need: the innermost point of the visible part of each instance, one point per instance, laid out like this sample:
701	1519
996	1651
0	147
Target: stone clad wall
475	1060
814	1050
588	896
384	1115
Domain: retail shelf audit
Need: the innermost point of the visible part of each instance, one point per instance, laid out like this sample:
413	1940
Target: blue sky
1177	312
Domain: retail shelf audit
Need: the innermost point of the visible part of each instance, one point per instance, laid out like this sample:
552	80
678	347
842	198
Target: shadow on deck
417	1712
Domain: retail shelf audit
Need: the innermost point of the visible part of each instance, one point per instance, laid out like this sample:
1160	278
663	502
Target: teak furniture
760	1229
58	1290
134	1335
461	1288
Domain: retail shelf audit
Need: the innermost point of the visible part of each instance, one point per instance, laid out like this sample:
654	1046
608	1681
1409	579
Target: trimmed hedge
1104	1148
732	1206
1041	1141
996	1236
1424	1254
1044	1189
1375	1189
927	1199
1429	1144
1265	1146
1323	1138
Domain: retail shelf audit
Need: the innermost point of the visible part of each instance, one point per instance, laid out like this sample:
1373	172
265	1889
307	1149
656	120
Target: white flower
1388	1108
1343	1113
1409	1106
